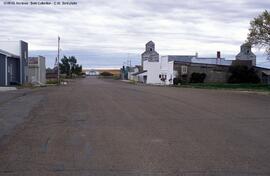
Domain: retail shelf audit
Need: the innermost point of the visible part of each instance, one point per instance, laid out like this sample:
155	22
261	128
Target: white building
160	72
186	68
163	70
132	72
156	70
37	70
92	73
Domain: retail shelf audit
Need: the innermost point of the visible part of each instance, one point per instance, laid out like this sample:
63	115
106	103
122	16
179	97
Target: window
184	69
151	49
163	77
9	69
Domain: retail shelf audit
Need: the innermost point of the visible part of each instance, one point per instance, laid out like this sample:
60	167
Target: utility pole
58	55
128	60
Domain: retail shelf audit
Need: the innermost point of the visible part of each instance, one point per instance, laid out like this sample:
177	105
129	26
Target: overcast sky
101	33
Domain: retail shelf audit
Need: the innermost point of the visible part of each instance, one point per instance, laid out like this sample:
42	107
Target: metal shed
9	68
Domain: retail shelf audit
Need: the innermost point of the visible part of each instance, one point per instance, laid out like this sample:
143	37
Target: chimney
218	55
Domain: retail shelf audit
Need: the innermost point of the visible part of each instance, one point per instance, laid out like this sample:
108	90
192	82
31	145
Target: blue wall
13	65
13	70
24	61
2	70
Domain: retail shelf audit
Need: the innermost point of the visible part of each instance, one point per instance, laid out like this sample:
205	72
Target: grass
52	81
109	77
132	82
248	87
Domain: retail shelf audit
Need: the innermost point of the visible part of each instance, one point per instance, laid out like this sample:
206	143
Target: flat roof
197	63
101	69
8	54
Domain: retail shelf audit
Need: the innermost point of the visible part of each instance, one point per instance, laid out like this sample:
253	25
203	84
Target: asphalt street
95	127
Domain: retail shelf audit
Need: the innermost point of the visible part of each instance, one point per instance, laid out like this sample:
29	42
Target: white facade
131	74
37	70
161	72
92	73
142	77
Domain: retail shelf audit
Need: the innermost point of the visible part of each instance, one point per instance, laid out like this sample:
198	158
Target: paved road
94	127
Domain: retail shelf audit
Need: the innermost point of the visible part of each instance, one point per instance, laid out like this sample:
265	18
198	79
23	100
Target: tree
65	66
69	66
259	32
106	74
77	70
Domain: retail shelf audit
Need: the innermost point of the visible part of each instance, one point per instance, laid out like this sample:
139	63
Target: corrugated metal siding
2	70
24	57
33	74
13	70
42	70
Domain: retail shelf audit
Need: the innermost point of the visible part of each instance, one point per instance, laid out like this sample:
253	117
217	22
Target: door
145	79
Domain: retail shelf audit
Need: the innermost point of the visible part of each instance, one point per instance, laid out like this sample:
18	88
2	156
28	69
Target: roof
130	69
263	68
32	60
8	54
102	68
144	71
246	45
150	43
267	72
181	58
152	52
205	64
213	60
199	60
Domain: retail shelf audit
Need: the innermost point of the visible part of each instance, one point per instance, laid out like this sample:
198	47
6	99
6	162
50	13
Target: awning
138	73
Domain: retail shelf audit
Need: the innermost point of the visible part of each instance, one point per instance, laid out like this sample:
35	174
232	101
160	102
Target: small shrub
197	77
176	81
106	74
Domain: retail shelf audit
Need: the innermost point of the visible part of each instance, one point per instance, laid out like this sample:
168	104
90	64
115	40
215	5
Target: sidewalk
15	107
3	89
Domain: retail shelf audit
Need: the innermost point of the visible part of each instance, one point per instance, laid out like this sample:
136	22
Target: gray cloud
121	26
